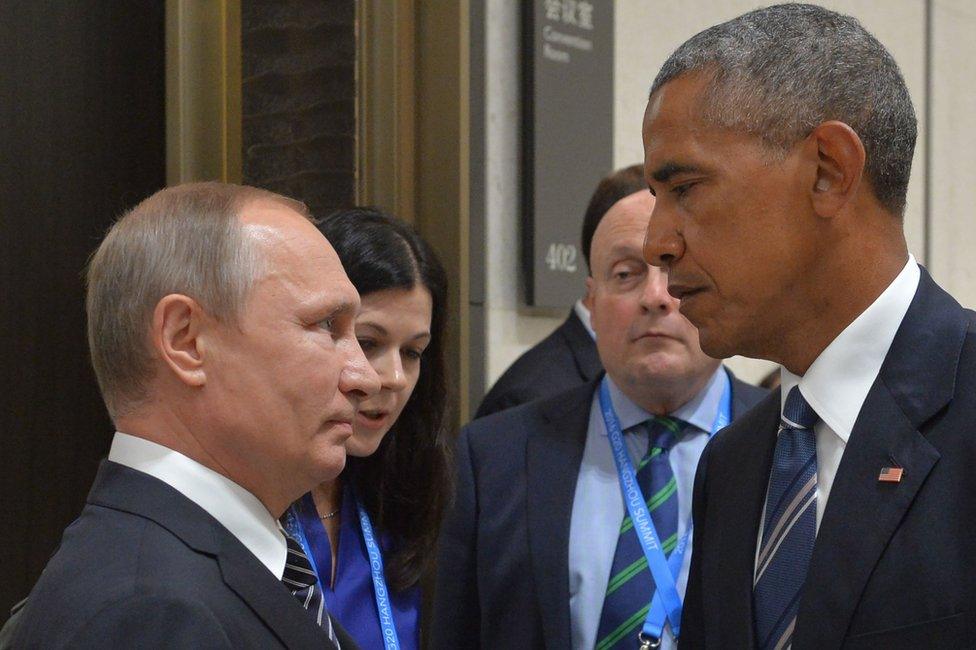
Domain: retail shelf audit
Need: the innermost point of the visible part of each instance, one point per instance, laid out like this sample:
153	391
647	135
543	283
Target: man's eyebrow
664	173
620	252
343	308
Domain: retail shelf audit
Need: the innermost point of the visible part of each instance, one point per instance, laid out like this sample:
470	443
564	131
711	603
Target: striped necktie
789	526
301	581
631	586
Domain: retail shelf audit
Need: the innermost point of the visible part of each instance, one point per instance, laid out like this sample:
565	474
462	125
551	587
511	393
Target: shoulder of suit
117	566
746	393
553	352
514	424
750	424
550	364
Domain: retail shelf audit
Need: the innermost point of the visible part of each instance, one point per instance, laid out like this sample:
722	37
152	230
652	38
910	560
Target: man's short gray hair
186	240
780	71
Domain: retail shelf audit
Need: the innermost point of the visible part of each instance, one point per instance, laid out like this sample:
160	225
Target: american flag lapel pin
890	475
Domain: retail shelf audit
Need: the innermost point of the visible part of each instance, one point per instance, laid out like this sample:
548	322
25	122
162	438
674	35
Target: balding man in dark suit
568	357
221	332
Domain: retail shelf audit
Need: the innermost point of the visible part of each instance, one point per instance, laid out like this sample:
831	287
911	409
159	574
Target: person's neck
839	297
328	496
664	397
167	428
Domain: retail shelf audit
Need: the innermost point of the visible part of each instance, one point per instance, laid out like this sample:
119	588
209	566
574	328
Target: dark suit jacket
503	567
894	565
143	567
564	359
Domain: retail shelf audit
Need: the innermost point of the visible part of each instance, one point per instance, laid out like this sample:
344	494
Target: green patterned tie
631	587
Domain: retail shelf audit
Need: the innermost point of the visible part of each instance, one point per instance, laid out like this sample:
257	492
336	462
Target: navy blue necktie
300	579
789	526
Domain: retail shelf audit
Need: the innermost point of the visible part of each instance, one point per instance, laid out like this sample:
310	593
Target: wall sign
567	138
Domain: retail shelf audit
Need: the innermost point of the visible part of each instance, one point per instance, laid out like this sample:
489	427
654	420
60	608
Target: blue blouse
351	599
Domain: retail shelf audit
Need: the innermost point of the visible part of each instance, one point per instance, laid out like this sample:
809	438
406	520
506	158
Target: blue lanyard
666	604
383	607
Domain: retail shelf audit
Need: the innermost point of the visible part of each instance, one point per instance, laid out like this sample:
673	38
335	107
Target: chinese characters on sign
557	44
570	12
567	138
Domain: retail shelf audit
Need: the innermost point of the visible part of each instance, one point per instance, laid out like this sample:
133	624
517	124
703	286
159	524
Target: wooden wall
82	96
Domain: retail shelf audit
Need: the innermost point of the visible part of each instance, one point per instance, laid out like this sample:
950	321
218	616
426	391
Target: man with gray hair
836	513
220	323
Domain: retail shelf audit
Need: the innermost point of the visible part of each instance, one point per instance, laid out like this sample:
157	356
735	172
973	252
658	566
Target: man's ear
588	298
840	167
176	325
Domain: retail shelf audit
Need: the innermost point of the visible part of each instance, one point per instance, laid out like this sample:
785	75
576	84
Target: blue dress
351	598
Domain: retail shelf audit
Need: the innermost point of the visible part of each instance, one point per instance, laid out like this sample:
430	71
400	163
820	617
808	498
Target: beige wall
509	331
646	32
952	229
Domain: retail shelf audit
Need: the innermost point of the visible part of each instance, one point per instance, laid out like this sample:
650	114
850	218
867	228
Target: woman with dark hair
370	534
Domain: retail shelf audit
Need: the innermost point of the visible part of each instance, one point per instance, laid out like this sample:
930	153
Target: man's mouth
653	335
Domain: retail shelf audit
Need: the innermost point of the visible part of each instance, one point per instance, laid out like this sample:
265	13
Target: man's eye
681	190
327	324
622	275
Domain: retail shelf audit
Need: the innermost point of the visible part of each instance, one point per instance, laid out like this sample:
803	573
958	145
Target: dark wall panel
82	99
299	99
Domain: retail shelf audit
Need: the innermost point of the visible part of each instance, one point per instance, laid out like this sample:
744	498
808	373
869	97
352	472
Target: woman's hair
406	484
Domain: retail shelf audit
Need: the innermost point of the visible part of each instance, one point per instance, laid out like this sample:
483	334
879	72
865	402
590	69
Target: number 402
561	257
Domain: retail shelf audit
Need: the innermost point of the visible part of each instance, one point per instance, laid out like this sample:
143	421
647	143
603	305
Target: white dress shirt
239	511
838	381
584	315
598	505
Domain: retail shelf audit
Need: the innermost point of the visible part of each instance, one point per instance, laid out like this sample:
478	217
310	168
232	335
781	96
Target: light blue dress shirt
598	506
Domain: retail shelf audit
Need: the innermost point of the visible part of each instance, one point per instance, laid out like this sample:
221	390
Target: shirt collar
235	508
838	381
584	315
699	411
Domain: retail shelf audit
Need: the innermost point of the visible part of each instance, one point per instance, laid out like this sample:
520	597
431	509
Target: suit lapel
860	518
862	514
553	457
128	490
269	598
732	523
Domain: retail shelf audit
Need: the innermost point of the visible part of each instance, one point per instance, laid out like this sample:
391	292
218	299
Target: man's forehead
623	227
268	218
679	99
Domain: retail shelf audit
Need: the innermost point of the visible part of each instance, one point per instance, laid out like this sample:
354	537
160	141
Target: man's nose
655	295
358	379
663	245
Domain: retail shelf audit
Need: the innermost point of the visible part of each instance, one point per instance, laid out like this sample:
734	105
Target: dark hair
781	71
406	483
620	184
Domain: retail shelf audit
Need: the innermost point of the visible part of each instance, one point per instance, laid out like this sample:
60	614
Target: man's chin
657	368
715	346
330	464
